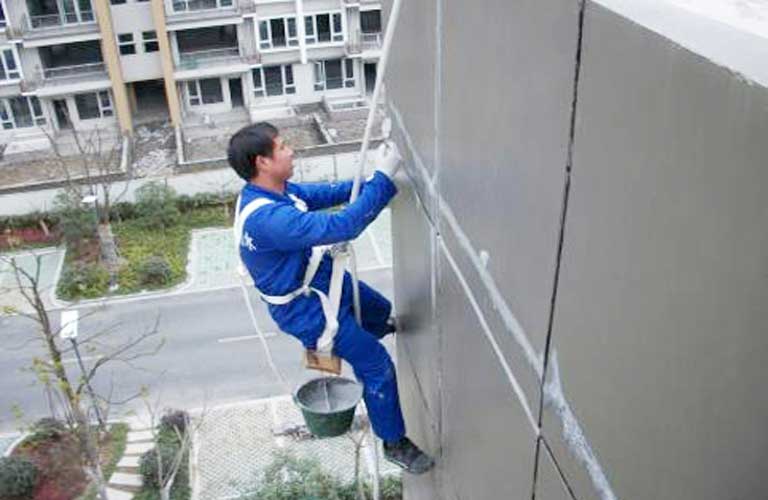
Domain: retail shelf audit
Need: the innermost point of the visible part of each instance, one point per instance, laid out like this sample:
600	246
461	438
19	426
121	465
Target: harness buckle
338	248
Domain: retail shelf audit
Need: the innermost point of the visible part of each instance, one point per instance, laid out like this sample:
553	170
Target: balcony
211	57
366	44
57	80
180	11
213	62
58	25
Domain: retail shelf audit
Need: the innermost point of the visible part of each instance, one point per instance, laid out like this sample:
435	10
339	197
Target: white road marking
226	340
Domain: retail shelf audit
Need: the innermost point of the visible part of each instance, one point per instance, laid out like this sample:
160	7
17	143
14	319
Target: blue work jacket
278	239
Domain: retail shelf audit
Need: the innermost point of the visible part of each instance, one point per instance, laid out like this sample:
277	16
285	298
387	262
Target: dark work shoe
391	326
408	456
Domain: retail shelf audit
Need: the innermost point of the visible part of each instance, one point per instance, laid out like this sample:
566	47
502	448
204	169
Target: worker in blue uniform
283	223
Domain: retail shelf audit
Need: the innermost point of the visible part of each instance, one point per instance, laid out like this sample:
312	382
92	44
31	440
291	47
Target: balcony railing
359	42
59	20
62	75
371	41
193	59
73	72
183	6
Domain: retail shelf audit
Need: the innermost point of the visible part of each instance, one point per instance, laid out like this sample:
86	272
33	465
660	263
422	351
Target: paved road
205	361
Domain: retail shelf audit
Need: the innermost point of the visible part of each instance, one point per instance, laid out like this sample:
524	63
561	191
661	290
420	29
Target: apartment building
114	63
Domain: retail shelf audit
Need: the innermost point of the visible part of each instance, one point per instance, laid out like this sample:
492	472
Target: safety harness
339	253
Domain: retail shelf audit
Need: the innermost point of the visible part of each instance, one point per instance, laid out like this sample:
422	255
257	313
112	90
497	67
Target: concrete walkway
126	480
50	260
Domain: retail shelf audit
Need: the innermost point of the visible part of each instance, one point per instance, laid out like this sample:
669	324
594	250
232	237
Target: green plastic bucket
328	404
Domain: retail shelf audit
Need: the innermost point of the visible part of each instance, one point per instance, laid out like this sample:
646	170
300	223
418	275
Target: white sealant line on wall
573	433
554	397
489	335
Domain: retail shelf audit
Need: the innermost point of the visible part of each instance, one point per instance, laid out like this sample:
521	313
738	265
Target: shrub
122	211
26	221
292	478
74	220
156	205
148	464
83	280
154	271
174	421
18	476
48	428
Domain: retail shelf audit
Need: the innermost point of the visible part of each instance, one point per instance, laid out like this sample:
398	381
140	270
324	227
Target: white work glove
388	159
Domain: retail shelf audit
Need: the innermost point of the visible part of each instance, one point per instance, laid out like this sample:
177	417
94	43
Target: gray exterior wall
649	324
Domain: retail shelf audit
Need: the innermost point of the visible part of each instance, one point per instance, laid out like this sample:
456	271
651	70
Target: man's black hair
248	143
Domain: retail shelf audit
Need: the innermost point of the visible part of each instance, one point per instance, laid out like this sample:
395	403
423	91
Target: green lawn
136	243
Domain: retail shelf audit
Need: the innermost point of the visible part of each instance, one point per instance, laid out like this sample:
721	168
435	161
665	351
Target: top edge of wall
725	32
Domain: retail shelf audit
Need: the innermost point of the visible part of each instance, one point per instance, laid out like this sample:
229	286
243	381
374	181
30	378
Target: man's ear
258	162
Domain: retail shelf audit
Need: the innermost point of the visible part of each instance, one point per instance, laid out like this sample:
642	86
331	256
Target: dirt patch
154	149
60	475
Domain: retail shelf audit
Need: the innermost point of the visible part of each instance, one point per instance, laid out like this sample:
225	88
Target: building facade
113	63
580	248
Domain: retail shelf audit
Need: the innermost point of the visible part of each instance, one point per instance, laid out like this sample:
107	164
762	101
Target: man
280	228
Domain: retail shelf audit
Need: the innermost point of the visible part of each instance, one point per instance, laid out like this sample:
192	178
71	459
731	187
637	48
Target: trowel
328	363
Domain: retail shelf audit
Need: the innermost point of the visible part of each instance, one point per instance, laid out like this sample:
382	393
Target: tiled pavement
234	444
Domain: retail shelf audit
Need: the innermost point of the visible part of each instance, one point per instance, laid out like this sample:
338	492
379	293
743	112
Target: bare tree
169	460
49	368
94	170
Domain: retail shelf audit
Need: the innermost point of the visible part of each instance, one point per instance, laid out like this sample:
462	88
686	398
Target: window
94	105
370	21
329	75
125	42
273	81
278	32
150	41
207	91
21	112
323	28
117	2
3	22
349	73
9	69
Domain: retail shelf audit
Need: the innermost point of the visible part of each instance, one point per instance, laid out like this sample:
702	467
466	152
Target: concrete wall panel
504	138
487	441
515	355
412	54
412	256
660	327
549	482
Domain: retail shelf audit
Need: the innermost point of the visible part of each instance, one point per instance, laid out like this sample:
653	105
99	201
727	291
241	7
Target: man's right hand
388	158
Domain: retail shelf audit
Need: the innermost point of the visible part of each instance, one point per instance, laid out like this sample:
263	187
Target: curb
15	444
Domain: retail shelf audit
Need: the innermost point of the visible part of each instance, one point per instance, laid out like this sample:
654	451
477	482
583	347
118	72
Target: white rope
380	70
262	338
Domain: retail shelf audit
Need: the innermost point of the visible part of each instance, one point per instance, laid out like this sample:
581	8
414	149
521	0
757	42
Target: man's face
280	166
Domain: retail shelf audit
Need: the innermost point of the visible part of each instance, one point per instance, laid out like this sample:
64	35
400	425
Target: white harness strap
330	303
